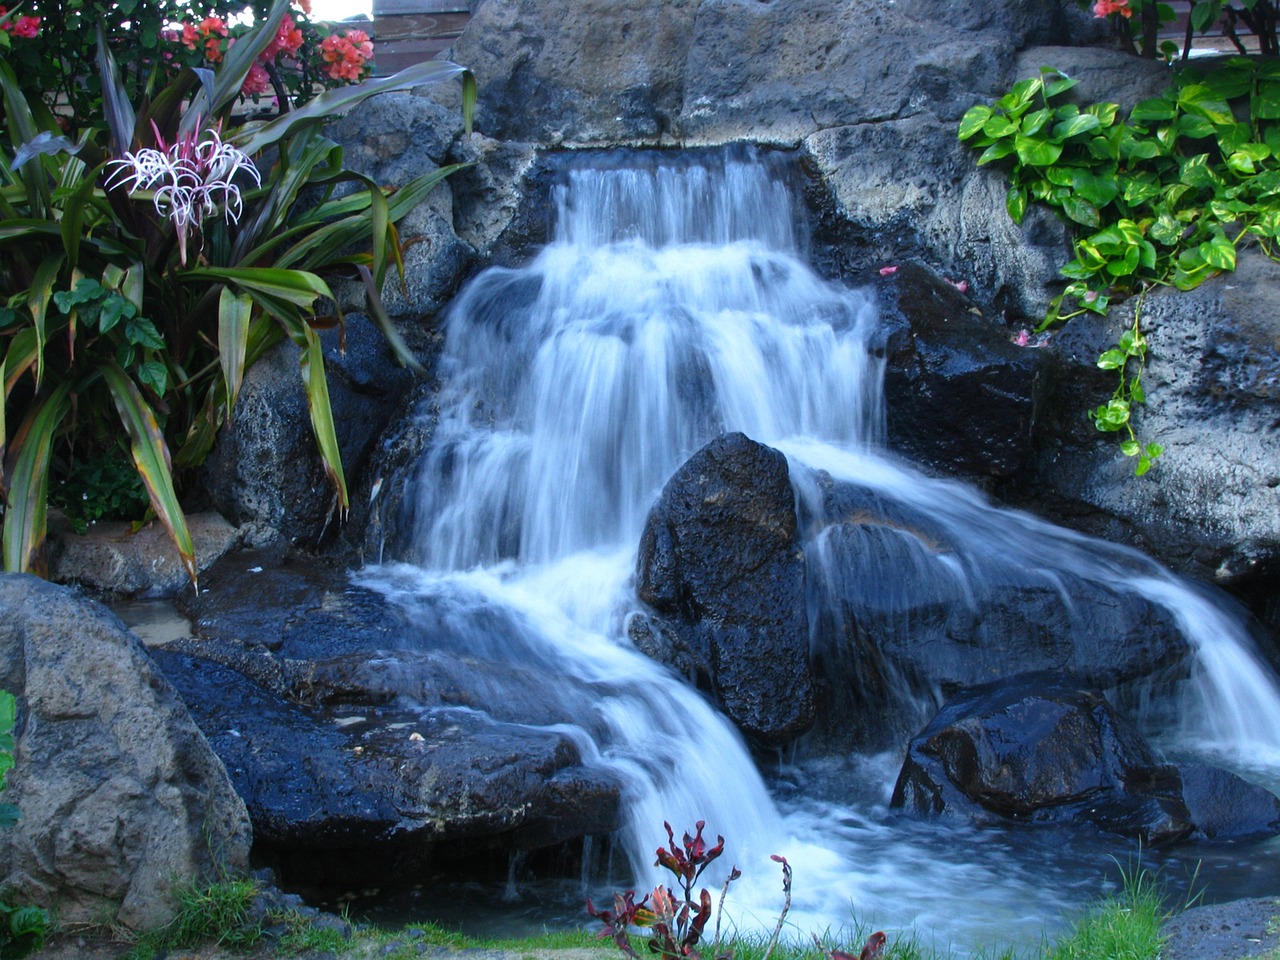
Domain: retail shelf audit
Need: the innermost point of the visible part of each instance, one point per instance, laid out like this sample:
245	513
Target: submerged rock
122	800
721	565
1044	748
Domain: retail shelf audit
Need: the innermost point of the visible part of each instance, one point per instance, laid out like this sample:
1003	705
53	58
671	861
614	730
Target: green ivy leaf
1219	253
998	126
997	151
1081	211
1130	448
1036	152
1113	359
1150	111
973	120
1075	126
1015	201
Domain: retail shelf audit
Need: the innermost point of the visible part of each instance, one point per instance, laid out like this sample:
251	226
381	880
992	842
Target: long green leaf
255	137
233	341
389	331
317	387
116	106
151	458
295	286
41	295
26	512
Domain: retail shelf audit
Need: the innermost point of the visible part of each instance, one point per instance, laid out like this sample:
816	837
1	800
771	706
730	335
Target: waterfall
672	305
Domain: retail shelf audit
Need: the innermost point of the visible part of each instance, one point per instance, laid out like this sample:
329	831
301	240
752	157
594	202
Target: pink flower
287	40
210	32
256	82
888	271
1104	8
26	27
961	285
1023	337
346	55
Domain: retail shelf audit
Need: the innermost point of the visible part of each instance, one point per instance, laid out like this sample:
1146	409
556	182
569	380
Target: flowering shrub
146	265
153	40
347	55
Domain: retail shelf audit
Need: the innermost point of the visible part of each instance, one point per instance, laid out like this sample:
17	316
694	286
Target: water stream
671	306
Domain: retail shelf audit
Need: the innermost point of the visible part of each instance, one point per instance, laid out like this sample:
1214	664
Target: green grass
217	913
1123	927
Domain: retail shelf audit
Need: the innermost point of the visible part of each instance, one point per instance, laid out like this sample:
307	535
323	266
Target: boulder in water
1044	748
721	565
1041	748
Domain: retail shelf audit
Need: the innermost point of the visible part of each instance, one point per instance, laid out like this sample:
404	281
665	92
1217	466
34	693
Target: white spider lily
189	180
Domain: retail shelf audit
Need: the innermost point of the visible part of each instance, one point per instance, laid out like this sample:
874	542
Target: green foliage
1123	927
104	488
22	928
124	302
1164	197
214	914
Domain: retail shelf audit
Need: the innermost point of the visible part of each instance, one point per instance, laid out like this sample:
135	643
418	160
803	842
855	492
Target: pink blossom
1104	8
287	40
256	82
961	285
26	27
346	55
888	271
1023	338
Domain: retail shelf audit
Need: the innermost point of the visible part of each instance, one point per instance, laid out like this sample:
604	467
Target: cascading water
673	306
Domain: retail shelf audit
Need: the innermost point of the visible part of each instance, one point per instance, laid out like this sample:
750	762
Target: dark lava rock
355	726
944	600
1043	749
961	396
720	563
1223	806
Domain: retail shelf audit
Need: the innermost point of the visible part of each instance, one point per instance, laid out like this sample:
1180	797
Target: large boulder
721	565
358	728
944	595
123	801
265	473
1043	748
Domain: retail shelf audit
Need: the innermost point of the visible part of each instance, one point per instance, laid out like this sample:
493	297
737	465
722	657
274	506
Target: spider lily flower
189	180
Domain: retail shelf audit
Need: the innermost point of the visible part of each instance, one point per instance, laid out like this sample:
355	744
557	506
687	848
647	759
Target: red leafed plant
676	922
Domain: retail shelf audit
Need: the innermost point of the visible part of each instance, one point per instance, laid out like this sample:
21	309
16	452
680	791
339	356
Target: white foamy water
671	307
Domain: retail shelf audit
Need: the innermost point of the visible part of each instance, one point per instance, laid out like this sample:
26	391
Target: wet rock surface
961	397
347	733
1043	748
720	563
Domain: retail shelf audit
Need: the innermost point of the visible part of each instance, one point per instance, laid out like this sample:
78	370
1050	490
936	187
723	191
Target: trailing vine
1165	197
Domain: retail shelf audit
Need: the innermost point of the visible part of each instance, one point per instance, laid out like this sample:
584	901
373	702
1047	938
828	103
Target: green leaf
1081	211
254	137
973	119
1036	152
155	375
1265	104
1034	122
997	151
298	287
999	126
142	332
1219	253
1193	127
317	387
1056	82
1130	448
1015	201
1075	126
1113	359
1150	111
151	457
233	338
1098	189
27	509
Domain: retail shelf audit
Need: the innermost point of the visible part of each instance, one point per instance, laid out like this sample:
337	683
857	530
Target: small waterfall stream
673	305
